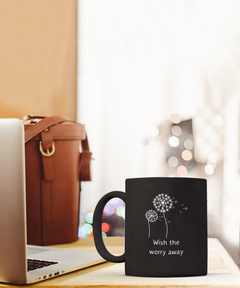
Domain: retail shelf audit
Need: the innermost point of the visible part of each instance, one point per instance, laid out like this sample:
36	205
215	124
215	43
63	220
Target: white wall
138	62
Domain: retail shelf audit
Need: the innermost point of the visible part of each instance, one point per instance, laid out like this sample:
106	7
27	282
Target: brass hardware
26	118
46	130
48	153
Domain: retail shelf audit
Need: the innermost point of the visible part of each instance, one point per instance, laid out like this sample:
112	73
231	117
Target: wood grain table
222	271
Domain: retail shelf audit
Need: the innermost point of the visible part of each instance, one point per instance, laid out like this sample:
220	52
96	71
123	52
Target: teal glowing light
89	218
104	234
88	228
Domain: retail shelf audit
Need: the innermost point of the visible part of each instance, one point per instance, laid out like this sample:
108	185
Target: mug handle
97	227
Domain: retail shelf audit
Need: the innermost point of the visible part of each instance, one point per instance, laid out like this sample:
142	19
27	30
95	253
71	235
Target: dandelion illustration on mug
163	203
151	216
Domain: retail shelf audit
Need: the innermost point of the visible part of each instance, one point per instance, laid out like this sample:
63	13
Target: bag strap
85	155
85	161
42	125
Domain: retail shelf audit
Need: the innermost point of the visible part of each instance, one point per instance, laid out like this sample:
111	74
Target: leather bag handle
42	125
47	122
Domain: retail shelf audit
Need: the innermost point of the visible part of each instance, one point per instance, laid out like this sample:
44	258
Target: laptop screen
12	202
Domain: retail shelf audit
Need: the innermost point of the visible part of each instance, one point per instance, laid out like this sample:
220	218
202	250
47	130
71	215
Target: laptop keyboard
34	264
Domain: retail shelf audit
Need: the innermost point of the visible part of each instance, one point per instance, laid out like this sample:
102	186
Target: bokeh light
182	170
116	202
176	130
109	209
88	228
114	208
173	141
175	118
89	218
104	234
81	232
153	131
213	164
188	144
173	161
187	155
209	170
121	211
105	227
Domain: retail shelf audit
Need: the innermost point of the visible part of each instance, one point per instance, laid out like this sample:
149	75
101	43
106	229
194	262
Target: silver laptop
21	263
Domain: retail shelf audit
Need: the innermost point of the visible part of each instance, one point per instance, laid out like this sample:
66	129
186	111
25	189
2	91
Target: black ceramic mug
165	227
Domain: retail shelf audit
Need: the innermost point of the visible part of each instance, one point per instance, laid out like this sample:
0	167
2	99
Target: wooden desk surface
222	271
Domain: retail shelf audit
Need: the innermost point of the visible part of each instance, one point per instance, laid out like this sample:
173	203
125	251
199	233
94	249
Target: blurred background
158	89
157	84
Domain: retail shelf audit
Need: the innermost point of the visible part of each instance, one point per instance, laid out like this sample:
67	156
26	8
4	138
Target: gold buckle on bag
48	153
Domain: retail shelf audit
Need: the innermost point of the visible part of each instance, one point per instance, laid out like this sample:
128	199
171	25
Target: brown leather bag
54	169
